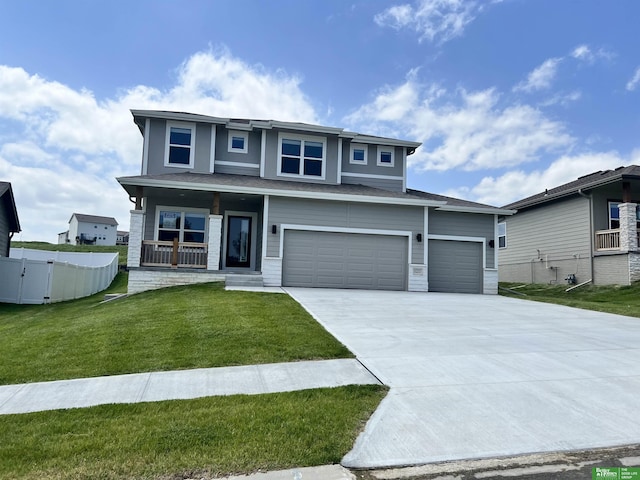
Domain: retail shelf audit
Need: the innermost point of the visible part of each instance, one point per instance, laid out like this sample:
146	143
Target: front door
238	242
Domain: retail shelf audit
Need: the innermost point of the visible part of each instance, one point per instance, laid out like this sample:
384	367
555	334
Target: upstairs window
502	235
238	142
386	156
358	154
301	156
180	145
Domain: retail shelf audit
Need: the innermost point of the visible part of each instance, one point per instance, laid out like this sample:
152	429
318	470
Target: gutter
591	232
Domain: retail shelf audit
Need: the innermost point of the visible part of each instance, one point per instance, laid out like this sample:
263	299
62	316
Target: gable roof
586	182
81	217
229	183
6	197
249	124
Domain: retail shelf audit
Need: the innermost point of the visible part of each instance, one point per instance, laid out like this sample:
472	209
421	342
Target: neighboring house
584	230
90	230
295	204
9	223
122	238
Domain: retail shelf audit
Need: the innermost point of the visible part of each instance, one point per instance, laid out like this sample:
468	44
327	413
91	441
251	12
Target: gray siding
371	168
4	230
601	198
384	183
546	244
345	215
271	158
251	157
464	225
237	169
611	269
157	140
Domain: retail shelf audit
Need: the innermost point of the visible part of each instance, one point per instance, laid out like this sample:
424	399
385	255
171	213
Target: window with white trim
301	156
386	156
614	215
238	142
185	225
502	235
180	145
358	154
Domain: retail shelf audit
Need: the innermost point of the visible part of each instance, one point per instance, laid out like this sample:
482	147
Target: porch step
241	280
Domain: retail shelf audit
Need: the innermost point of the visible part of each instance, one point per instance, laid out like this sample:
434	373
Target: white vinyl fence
39	276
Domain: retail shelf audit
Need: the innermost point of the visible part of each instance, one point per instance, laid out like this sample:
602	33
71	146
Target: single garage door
455	267
344	260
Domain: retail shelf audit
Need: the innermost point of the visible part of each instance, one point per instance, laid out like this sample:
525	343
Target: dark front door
238	242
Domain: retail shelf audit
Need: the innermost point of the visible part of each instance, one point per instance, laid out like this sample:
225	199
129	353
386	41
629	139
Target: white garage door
344	260
455	267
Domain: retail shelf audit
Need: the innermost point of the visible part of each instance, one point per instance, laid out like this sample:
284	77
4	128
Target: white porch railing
610	239
173	254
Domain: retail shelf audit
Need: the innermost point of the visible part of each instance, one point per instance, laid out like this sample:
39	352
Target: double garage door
344	260
376	262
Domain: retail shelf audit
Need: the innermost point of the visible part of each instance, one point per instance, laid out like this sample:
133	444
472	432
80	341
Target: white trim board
237	164
372	175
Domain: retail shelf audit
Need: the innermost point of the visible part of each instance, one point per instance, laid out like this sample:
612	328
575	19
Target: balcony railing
610	239
174	254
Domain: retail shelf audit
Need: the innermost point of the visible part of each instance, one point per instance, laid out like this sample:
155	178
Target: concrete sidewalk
182	384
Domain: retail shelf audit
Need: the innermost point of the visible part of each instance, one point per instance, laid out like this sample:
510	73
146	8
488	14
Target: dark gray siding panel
346	215
238	169
455	267
201	163
4	230
464	225
372	167
344	260
222	148
547	243
384	183
157	132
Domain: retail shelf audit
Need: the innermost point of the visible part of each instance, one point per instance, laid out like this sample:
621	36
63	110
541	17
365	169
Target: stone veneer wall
490	281
418	278
141	279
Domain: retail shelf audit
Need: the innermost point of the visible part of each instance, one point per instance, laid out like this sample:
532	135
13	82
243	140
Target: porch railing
173	254
610	239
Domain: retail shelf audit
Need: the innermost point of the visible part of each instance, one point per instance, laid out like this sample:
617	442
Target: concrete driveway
475	376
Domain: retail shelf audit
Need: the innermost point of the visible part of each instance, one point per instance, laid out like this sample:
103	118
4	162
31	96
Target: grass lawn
177	328
610	298
200	438
121	249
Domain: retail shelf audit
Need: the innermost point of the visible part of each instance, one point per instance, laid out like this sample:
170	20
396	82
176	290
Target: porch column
136	227
628	229
215	237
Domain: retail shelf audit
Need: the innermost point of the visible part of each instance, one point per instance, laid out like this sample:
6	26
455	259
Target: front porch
610	240
179	237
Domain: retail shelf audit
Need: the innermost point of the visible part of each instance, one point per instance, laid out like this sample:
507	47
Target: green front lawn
176	328
610	298
202	438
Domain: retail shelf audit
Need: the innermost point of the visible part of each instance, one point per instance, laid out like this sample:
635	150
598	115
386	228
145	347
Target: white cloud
633	83
518	184
586	54
433	20
563	99
62	148
460	130
541	77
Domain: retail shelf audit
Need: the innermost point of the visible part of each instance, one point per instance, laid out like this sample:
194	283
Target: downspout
591	232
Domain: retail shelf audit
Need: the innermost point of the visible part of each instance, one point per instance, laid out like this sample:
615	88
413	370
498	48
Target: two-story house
90	230
296	205
584	230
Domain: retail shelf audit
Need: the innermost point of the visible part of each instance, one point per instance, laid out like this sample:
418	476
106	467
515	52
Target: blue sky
508	97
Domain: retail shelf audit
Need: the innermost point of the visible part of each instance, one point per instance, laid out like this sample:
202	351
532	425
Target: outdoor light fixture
274	229
419	237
